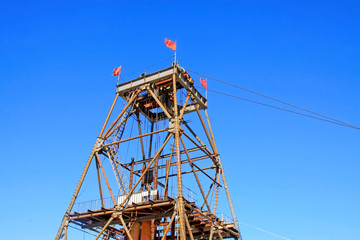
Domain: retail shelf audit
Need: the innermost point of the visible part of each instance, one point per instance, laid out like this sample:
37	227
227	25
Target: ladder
114	149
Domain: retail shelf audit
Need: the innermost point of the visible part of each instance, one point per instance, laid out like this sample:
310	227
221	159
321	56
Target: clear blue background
291	175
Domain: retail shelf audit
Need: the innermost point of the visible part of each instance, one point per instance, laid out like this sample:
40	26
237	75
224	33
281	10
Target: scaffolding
153	202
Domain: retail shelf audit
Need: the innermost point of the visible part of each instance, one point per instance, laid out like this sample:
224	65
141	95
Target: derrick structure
153	201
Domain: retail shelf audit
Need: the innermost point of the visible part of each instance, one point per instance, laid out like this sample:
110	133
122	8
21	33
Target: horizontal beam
164	156
173	175
149	78
174	164
124	211
158	76
137	174
136	137
129	220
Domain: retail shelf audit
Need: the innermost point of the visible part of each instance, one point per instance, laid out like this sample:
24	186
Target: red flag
117	71
170	44
203	83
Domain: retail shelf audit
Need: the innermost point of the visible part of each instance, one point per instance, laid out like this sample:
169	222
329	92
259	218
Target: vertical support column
135	231
215	206
131	173
172	236
65	229
143	187
156	172
141	139
223	178
168	166
151	139
145	230
180	201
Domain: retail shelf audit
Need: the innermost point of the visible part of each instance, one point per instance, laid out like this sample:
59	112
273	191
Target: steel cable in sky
284	109
274	99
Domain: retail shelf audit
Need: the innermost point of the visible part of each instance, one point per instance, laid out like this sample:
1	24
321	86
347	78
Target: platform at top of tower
160	84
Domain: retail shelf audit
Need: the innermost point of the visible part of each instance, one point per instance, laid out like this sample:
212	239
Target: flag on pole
117	71
203	83
170	44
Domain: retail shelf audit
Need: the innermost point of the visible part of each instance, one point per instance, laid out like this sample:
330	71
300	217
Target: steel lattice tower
153	202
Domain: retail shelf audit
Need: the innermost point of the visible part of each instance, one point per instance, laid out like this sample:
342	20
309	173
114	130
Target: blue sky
291	175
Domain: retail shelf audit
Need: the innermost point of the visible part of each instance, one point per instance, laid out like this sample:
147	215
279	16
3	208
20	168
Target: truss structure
153	202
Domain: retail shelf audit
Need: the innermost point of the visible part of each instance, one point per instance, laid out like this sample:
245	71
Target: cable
274	99
283	109
260	229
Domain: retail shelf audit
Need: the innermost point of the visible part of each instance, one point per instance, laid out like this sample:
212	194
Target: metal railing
108	203
223	217
173	193
93	205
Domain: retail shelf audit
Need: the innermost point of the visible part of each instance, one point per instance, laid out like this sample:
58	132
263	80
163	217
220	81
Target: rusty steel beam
196	177
143	175
162	156
136	173
65	229
191	222
107	182
125	227
211	156
129	209
176	122
168	226
187	172
189	228
215	223
159	103
103	229
184	105
75	195
196	137
136	137
174	164
110	130
140	133
215	206
204	127
168	165
224	180
210	188
109	114
99	181
151	139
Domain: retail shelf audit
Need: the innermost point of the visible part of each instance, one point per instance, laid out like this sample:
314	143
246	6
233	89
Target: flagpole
175	53
206	90
119	77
